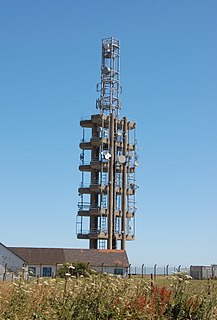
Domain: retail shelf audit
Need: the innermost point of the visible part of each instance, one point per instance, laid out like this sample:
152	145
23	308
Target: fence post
40	270
167	270
155	271
152	284
129	270
5	273
142	269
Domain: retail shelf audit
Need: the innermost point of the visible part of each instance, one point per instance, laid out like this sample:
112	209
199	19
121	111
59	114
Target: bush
73	269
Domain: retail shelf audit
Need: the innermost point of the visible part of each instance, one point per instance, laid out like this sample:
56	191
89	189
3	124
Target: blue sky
50	55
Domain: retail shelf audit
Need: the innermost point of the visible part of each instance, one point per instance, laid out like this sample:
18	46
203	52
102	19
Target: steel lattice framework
106	211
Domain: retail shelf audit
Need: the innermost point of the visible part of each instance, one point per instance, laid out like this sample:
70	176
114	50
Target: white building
44	262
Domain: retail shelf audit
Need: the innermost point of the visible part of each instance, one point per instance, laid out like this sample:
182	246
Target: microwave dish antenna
121	159
107	156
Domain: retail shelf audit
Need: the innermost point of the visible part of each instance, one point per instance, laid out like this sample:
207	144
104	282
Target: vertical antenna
109	87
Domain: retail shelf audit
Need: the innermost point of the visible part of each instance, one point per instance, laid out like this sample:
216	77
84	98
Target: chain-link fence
10	274
156	270
140	270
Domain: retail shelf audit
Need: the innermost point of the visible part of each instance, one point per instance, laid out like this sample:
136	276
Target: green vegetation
104	297
76	269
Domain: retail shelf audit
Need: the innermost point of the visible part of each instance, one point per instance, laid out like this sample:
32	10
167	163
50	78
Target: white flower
67	274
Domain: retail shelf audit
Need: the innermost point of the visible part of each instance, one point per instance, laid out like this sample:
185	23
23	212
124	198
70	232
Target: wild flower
67	274
105	297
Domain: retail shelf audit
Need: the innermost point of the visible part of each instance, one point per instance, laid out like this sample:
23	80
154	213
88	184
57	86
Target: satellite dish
136	163
121	159
107	156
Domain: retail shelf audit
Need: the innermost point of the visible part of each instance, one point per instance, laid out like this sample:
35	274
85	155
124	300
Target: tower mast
106	211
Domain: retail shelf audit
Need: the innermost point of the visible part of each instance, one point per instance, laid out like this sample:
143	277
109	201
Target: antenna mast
106	211
109	88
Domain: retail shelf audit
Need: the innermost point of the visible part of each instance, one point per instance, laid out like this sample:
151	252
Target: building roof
7	248
51	256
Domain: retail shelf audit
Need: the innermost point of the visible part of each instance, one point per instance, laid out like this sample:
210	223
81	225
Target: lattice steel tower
106	211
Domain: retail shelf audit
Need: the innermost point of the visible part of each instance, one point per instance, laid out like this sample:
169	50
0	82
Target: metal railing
92	231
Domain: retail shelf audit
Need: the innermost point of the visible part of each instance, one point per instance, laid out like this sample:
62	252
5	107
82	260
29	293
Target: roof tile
36	256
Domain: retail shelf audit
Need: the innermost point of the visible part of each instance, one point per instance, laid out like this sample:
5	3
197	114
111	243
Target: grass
100	296
195	286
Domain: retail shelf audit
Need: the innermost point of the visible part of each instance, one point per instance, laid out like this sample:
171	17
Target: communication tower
108	160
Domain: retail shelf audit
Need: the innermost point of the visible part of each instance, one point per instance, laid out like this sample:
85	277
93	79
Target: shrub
73	269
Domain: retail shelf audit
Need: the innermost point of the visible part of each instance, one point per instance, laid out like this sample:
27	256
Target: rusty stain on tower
108	160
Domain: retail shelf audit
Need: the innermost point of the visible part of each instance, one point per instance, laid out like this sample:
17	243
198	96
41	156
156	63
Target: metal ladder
103	224
102	244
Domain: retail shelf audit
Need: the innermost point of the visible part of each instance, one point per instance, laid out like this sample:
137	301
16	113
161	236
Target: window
32	271
119	271
47	272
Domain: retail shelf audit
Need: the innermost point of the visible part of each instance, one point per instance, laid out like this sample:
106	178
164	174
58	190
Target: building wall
50	270
207	272
203	272
42	270
12	262
112	270
196	272
214	271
